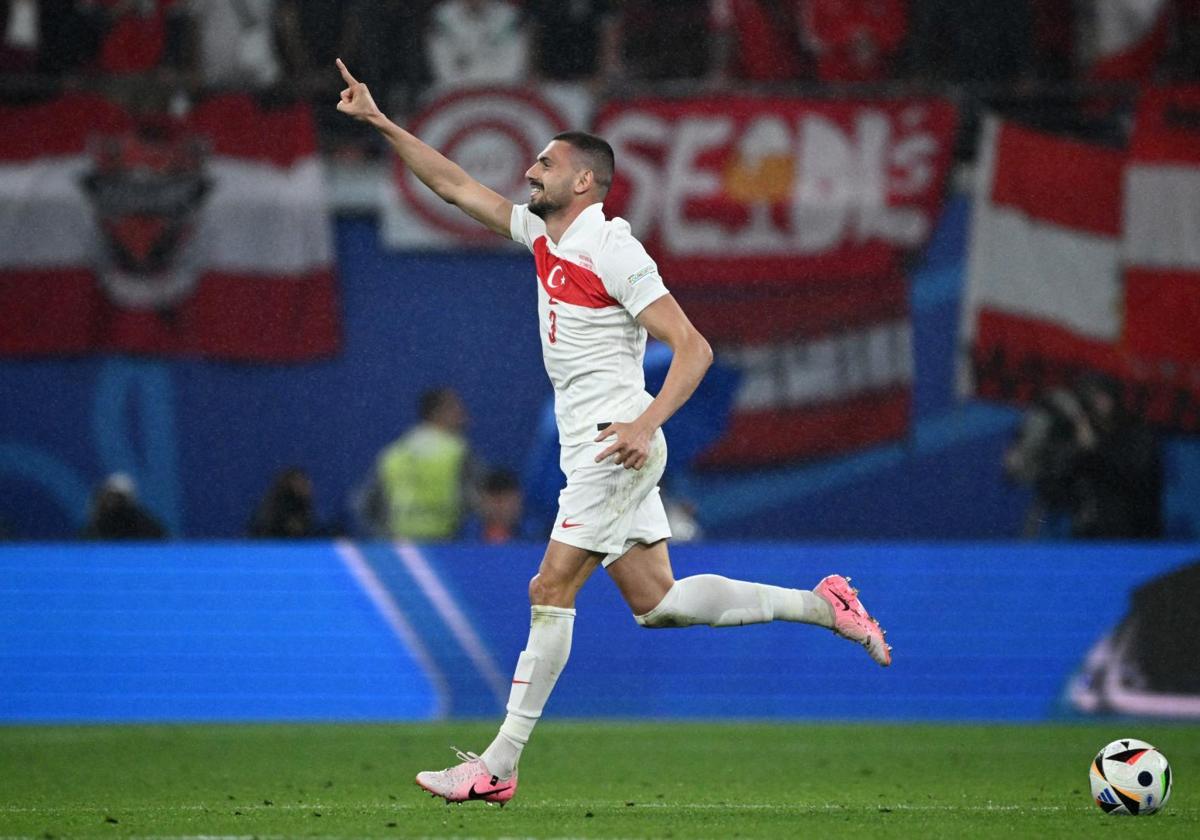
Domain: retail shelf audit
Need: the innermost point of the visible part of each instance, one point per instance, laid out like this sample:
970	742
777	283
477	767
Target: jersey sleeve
629	274
524	227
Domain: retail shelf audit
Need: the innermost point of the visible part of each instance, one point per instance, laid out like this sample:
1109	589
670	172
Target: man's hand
446	178
356	99
632	446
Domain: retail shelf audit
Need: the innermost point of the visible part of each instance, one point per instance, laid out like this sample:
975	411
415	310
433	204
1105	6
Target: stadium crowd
411	48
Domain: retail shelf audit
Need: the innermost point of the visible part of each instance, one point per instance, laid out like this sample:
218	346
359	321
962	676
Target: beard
543	205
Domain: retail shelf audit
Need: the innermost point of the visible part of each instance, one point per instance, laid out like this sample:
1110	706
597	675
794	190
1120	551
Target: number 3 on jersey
553	333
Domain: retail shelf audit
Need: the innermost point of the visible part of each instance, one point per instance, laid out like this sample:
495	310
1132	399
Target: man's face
502	507
452	414
551	180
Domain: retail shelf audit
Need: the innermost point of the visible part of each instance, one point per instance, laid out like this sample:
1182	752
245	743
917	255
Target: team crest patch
146	192
638	275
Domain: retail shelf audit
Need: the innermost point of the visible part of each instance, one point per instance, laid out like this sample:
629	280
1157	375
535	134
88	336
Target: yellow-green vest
421	478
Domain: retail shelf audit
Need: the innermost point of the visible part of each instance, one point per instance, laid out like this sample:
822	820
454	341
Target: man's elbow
704	351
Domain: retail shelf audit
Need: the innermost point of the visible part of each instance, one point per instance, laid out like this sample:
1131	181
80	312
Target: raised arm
442	175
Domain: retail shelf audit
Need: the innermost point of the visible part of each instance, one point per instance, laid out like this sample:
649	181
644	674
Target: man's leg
644	577
552	592
492	776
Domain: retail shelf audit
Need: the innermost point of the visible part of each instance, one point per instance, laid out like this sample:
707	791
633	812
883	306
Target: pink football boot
467	781
851	619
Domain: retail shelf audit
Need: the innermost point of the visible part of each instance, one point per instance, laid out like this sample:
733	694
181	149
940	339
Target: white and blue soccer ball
1130	777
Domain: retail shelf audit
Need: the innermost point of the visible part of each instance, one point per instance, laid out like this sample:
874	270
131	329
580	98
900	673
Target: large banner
205	235
1085	258
783	225
775	191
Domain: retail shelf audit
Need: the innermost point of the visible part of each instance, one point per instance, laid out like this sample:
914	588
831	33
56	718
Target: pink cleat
851	619
467	781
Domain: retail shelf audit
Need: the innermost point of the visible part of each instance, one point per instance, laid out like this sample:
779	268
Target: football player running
599	294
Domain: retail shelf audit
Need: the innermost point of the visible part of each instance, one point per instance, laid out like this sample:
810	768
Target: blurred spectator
1091	461
115	514
855	40
501	508
233	42
134	36
308	36
757	41
22	36
286	511
972	40
50	36
478	42
665	39
1053	23
421	481
590	27
1183	61
384	41
1123	466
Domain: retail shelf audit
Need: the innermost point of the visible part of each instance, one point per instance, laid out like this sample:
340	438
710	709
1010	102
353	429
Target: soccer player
599	294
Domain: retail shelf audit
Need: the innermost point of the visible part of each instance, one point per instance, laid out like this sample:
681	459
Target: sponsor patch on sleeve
638	275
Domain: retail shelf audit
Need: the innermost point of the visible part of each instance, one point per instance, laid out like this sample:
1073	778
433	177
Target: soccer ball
1130	777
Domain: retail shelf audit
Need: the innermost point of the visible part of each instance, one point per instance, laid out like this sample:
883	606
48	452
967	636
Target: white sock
721	602
537	671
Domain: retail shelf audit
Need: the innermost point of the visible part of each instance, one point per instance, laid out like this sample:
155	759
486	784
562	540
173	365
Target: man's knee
665	613
546	590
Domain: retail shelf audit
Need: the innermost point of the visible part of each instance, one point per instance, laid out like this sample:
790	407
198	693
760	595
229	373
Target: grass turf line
679	780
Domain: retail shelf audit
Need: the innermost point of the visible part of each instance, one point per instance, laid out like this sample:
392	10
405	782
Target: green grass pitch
617	779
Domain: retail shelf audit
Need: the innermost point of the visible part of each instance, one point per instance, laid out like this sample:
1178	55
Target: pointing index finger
350	80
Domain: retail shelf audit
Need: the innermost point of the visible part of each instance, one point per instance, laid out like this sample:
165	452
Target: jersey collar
585	223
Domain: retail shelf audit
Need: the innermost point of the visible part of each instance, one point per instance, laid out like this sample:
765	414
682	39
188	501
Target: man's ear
584	181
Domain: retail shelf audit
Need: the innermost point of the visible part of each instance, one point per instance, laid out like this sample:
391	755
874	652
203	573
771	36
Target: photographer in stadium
1091	462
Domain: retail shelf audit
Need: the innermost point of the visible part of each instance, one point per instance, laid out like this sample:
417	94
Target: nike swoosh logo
567	524
845	603
483	794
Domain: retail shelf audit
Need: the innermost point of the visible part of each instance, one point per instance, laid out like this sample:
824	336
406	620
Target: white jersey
592	285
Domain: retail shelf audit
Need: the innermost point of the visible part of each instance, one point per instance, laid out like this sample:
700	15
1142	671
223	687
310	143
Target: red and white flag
203	236
1048	295
1161	248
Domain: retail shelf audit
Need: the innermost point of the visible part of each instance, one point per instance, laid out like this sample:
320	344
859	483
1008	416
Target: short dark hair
597	153
432	401
501	481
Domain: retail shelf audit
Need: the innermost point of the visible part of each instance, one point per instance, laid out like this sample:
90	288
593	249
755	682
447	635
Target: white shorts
606	508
